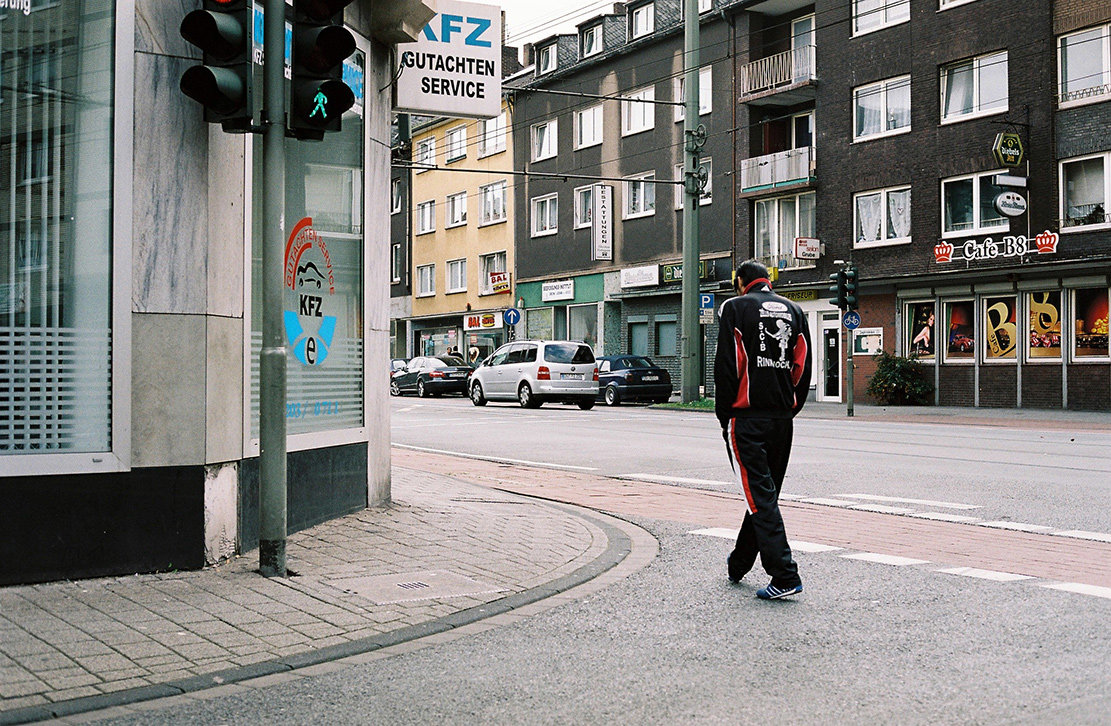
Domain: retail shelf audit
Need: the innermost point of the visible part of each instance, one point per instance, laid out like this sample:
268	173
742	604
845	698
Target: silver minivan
534	371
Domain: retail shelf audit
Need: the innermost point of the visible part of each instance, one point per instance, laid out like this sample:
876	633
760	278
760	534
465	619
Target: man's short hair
749	271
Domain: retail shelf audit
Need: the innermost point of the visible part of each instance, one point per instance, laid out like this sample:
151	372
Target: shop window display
1045	325
961	339
1000	328
920	330
1090	323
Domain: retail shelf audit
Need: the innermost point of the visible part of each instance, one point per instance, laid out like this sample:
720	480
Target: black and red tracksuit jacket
762	368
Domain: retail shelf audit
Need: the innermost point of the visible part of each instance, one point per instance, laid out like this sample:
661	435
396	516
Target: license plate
571	376
455	375
650	378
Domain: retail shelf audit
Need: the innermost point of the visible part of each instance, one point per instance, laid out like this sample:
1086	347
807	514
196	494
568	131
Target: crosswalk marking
881	508
1080	589
885	559
1017	526
901	500
1081	534
985	574
945	517
828	502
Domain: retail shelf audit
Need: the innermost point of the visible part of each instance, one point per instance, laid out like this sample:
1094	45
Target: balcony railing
1083	94
777	71
776	170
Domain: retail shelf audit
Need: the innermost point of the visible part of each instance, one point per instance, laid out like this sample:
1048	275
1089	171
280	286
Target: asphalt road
1057	479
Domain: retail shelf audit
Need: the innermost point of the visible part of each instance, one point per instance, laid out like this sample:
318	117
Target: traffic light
318	95
850	288
838	289
222	30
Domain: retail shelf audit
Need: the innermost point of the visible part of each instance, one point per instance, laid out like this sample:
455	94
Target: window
950	3
643	21
638	111
457	143
921	340
638	338
969	205
707	195
582	324
584	206
588	127
869	15
960	322
640	195
426	154
1090	323
778	222
395	196
488	264
426	217
882	217
1000	328
974	87
591	41
1044	340
457	275
1084	65
704	5
547	62
1085	192
666	338
456	210
426	280
544	140
881	108
705	93
493	135
544	215
493	202
396	261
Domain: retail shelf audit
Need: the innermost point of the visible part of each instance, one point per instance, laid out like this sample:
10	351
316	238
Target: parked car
396	364
629	378
533	372
432	375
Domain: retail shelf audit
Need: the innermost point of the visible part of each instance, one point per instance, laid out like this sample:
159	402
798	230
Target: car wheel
586	405
526	398
420	389
477	397
612	397
394	390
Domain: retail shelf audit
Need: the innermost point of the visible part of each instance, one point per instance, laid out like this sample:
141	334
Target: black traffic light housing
222	30
850	288
318	95
838	289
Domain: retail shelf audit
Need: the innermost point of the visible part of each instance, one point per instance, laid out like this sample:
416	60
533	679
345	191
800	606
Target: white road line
1081	589
924	502
797	546
885	559
675	480
882	509
717	532
945	517
461	455
985	574
1081	534
1017	526
828	502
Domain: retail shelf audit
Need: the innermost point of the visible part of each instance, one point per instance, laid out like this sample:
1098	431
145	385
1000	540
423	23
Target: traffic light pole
690	342
272	363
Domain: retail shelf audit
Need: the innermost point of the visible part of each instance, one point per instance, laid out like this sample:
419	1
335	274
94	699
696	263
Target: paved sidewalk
443	555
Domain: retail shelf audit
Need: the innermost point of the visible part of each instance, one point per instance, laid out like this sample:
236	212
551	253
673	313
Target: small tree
900	381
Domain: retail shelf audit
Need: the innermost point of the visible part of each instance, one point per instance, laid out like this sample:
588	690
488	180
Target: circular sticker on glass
310	291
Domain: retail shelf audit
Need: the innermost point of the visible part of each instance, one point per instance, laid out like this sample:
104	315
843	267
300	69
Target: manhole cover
409	586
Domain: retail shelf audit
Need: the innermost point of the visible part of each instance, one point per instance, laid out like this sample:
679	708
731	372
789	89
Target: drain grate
409	586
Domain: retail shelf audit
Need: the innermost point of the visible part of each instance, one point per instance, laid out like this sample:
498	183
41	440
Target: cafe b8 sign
454	67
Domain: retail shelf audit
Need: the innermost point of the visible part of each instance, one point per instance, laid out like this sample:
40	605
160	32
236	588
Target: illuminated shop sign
989	249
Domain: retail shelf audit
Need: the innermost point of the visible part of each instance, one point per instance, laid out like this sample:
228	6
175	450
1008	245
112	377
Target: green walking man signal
320	100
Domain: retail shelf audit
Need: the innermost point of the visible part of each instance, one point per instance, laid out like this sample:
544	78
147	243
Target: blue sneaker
771	592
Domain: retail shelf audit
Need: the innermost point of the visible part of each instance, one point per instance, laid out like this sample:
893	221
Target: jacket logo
781	336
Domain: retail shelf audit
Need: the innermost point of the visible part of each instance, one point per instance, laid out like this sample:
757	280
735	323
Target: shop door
831	364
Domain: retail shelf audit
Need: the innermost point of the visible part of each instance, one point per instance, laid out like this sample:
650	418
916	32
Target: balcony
783	79
773	171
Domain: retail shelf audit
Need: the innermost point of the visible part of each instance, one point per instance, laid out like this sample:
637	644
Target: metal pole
272	363
849	373
691	331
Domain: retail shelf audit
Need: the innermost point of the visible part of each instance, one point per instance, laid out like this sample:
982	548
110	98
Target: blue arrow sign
511	316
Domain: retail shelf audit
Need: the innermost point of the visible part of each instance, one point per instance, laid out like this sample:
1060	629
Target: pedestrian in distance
762	374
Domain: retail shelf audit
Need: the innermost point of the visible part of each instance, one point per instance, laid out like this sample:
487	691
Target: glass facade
56	116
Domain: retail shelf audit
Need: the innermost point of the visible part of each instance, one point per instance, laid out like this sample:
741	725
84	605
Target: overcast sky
531	20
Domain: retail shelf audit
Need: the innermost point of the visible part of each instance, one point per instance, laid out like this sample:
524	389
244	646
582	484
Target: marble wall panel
378	415
156	27
226	243
168	389
170	191
224	391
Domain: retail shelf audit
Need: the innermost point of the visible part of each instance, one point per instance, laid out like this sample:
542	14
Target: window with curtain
426	217
456	210
493	202
1084	67
545	215
1085	192
583	323
705	93
968	205
640	195
56	337
457	275
882	108
588	127
584	206
974	87
426	154
591	42
637	113
457	143
778	222
493	135
426	280
883	217
869	15
494	262
544	140
643	21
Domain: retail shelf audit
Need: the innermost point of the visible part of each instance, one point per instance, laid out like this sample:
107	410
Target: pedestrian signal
318	95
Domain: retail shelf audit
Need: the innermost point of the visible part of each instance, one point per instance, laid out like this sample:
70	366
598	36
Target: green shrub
900	381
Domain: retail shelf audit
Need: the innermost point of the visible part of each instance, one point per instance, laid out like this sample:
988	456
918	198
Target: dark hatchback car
628	378
432	375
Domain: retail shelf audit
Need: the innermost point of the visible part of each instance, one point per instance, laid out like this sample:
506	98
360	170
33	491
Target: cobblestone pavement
443	549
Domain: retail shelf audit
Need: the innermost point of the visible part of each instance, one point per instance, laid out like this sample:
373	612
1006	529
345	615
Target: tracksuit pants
759	449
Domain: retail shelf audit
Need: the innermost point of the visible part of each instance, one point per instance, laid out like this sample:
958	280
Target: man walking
762	374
